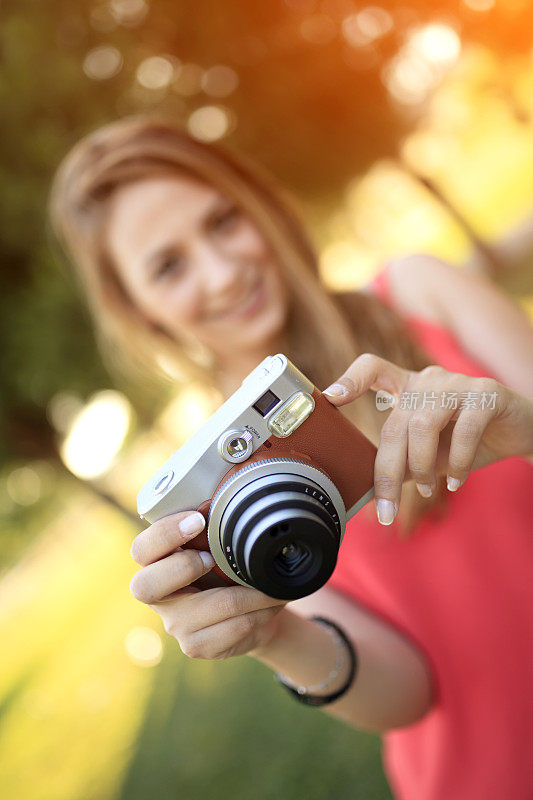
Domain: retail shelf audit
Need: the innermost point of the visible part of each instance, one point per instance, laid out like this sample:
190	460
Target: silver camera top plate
191	474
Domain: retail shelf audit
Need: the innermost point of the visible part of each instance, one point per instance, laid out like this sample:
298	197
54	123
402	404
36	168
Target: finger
231	637
390	466
466	437
425	427
169	598
165	535
215	605
368	371
170	574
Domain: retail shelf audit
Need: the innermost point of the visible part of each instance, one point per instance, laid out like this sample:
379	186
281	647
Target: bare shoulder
425	286
414	282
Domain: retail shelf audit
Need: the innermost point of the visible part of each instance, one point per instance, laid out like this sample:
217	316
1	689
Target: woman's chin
254	334
264	328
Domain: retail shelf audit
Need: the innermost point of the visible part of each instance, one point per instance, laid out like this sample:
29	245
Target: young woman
192	256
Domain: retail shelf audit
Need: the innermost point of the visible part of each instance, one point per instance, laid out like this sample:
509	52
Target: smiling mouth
243	305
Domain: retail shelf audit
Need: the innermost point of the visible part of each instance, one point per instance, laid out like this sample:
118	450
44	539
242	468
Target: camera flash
291	414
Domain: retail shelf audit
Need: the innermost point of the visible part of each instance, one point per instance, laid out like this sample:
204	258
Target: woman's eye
227	219
168	266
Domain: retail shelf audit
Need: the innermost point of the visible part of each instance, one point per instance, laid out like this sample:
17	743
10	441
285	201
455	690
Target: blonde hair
325	331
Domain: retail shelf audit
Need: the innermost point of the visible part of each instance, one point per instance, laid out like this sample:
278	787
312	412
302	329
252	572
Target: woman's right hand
208	624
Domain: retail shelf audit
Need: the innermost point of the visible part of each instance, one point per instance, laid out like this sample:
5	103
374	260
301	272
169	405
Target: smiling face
196	265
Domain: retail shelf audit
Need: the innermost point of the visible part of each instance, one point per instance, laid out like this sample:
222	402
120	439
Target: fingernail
336	390
207	558
386	511
453	484
424	489
194	523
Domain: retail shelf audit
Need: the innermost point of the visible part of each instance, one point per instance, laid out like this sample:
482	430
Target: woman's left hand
441	423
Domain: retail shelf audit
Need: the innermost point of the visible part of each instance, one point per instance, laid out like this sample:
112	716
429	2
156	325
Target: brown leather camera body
327	440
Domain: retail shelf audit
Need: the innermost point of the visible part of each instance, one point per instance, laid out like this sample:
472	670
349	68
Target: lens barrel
281	534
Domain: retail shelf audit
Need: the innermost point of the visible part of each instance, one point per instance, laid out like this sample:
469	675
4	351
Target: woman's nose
220	272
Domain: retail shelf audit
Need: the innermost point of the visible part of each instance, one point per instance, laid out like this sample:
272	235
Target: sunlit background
399	127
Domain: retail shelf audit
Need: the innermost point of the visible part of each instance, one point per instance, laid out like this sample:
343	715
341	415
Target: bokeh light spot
97	434
129	12
209	123
436	43
144	647
374	21
421	63
219	81
480	5
24	486
187	412
102	63
366	26
408	79
155	72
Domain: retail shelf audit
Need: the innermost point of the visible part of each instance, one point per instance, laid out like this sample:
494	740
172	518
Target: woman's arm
512	249
392	687
487	324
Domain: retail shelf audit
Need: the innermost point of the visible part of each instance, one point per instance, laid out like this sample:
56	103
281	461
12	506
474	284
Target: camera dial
235	446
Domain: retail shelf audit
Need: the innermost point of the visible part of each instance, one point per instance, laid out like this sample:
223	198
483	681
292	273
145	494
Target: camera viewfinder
266	403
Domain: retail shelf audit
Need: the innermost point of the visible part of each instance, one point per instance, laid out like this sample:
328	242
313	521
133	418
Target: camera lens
281	534
291	557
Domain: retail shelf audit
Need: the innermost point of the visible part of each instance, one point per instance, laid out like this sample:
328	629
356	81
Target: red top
462	588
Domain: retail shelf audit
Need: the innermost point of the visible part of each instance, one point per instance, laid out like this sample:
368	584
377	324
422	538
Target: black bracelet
321	700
